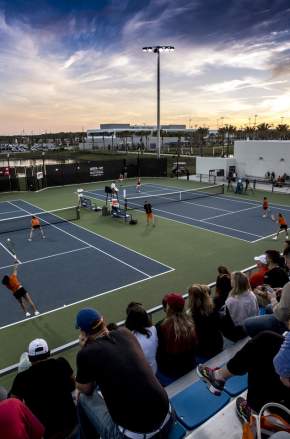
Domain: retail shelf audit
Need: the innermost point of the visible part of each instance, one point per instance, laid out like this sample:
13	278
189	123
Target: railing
74	343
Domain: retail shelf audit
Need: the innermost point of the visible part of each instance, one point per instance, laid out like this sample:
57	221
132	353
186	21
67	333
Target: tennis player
21	295
149	213
114	189
282	226
265	207
35	225
138	185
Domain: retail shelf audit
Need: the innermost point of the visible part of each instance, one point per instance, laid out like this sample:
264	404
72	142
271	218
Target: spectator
176	341
242	302
141	326
113	363
206	321
18	422
276	275
223	287
277	321
46	389
266	359
257	278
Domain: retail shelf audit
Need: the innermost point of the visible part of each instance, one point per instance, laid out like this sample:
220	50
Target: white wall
204	164
256	157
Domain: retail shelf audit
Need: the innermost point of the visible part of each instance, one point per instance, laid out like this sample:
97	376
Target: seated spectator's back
176	340
242	302
46	389
206	321
276	275
140	324
223	287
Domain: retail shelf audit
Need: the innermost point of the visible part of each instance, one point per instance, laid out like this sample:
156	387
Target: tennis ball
8	239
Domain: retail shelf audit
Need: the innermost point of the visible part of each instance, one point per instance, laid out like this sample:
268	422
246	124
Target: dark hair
138	320
112	326
35	358
286	252
222	269
132	305
274	256
5	280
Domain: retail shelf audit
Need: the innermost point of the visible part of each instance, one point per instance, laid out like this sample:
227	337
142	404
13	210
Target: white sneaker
264	216
36	313
275	238
29	239
287	237
43	237
27	314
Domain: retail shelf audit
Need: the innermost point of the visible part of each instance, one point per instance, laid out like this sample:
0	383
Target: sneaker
43	237
207	375
29	239
264	216
27	314
275	238
36	313
243	410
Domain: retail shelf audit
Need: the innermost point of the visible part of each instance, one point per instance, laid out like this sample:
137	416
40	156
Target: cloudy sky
73	64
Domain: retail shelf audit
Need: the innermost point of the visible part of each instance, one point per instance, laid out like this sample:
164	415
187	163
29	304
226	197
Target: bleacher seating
202	413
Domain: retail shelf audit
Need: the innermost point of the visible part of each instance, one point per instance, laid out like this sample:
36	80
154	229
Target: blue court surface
69	266
227	215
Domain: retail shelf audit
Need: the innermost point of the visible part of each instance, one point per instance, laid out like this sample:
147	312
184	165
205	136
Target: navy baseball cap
88	319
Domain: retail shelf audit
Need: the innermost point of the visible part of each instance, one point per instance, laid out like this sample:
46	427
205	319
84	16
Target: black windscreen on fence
83	172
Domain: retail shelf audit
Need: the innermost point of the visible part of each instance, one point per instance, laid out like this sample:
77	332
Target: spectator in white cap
256	279
46	389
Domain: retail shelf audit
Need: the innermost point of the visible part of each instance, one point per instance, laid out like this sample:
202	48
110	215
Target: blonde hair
240	283
199	300
181	324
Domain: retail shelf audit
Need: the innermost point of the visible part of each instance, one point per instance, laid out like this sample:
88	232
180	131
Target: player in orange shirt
149	213
265	207
282	226
35	225
21	295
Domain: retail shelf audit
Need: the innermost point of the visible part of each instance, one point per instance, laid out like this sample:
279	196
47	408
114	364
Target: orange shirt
14	283
35	222
282	221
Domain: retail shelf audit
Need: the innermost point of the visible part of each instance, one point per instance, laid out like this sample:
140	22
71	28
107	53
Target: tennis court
71	265
206	208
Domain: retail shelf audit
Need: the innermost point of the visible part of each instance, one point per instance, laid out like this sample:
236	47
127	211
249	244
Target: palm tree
263	131
283	131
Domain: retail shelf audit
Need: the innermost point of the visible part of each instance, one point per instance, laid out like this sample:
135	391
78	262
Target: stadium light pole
158	50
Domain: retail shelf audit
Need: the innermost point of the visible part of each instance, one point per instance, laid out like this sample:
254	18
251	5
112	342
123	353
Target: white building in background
110	135
252	158
256	157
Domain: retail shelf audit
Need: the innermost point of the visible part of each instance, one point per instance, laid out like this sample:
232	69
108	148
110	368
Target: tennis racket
11	247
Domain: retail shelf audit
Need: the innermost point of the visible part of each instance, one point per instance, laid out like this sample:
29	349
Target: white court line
231	213
264	237
90	245
8	211
84	300
108	239
10	253
205	222
47	257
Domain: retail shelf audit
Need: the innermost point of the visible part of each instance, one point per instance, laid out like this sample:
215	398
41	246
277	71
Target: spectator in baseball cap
257	278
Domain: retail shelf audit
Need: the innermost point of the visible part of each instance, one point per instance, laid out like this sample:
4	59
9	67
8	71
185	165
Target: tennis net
23	222
173	197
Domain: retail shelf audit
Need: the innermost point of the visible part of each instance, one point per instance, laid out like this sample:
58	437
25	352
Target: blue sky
72	64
